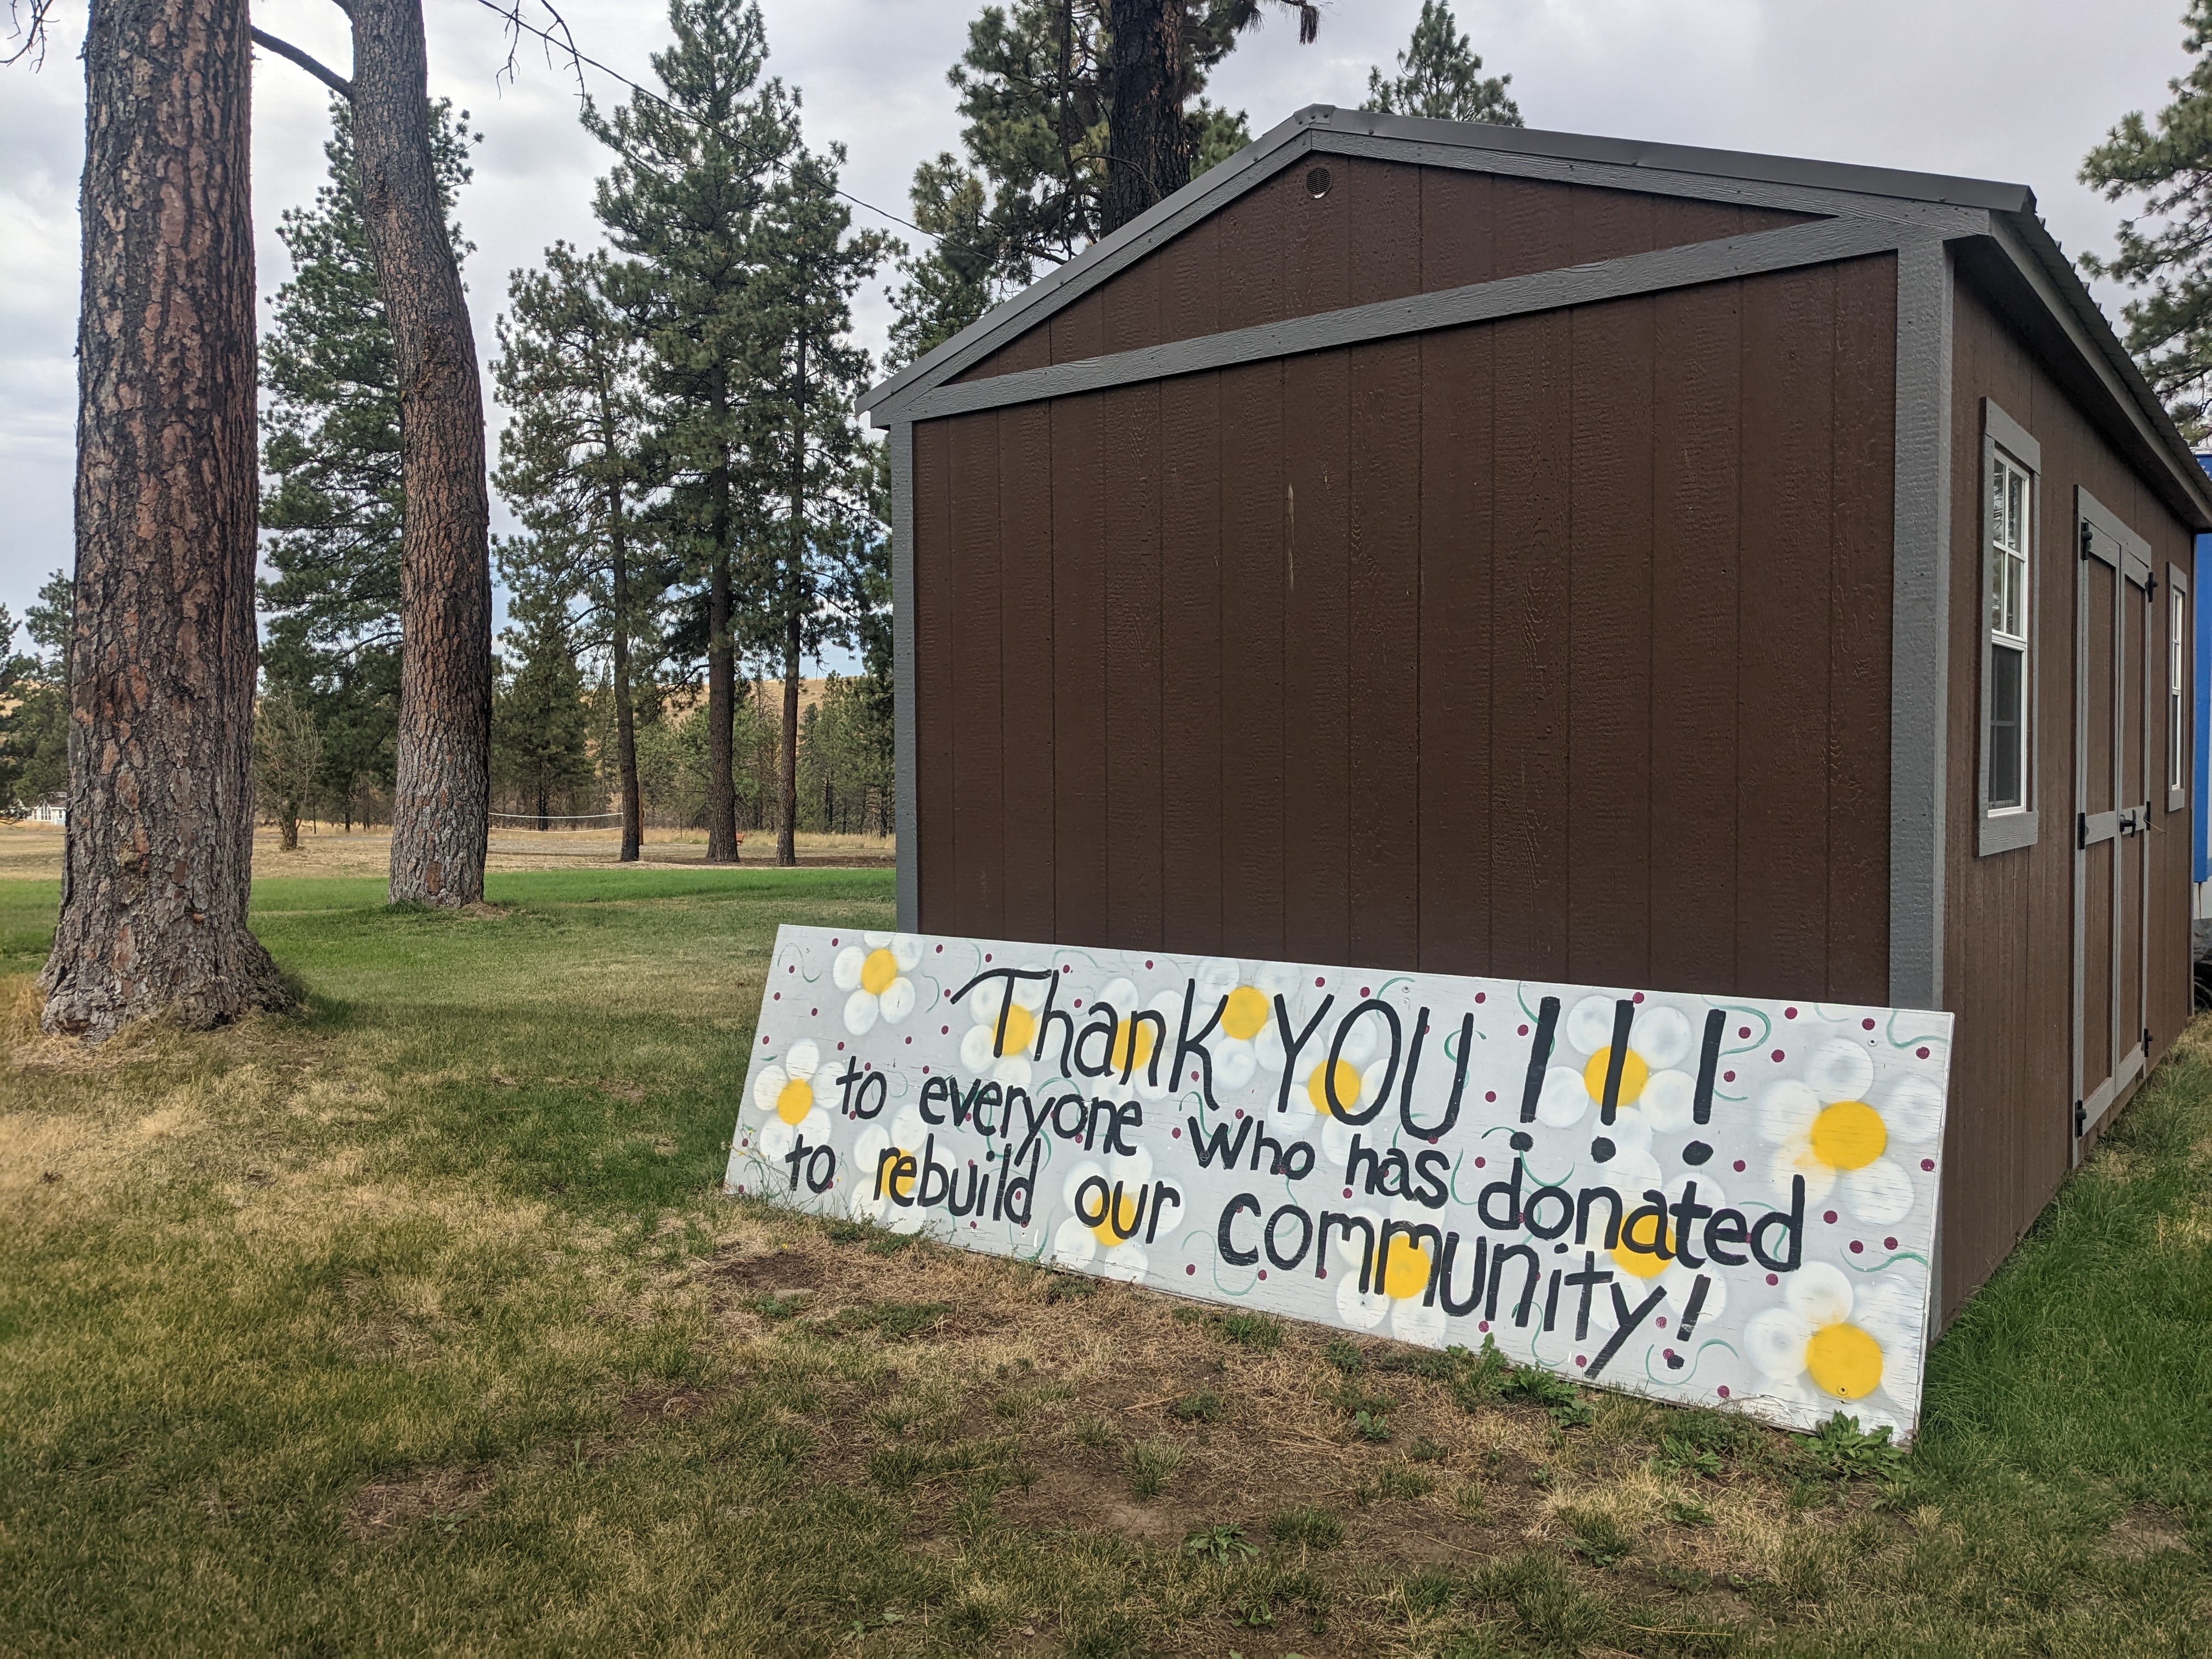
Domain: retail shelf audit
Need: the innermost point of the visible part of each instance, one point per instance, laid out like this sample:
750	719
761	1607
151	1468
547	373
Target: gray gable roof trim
1917	204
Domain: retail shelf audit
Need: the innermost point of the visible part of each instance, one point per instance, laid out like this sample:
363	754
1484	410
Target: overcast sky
2010	89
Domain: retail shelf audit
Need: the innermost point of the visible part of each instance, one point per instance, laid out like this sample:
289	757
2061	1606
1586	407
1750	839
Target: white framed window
2011	460
2011	499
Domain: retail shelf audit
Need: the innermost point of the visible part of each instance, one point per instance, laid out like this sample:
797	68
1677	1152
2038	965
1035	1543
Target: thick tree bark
441	795
633	805
721	658
1148	148
160	843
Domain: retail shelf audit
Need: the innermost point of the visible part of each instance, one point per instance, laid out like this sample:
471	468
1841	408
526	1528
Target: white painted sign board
1707	1200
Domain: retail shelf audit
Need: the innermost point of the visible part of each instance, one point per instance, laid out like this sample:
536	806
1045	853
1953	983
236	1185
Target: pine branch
329	77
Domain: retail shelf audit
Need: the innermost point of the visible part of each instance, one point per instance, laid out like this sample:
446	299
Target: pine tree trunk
160	842
440	799
786	839
625	717
1148	148
287	829
721	662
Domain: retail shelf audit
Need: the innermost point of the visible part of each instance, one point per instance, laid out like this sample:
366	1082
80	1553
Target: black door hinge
2146	1041
2080	829
2081	1120
2151	589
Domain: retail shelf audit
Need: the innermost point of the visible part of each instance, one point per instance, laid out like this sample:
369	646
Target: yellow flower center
795	1100
1844	1360
878	972
1408	1275
1125	1215
1245	1015
1849	1135
1643	1262
1347	1086
1133	1046
1634	1074
1021	1026
901	1179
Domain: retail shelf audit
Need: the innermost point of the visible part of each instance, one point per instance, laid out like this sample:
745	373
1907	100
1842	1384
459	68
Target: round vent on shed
1317	181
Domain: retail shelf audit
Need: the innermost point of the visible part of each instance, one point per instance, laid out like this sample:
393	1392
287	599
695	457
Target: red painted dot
1789	1013
1743	1031
1148	961
1480	996
986	955
1922	1053
1828	1216
1321	1273
1722	1390
1728	1077
1175	1134
940	949
832	940
1524	1030
1240	1111
1888	1243
1321	981
1188	1267
1928	1164
1857	1249
1581	1360
1347	1193
944	1030
1639	996
909	1042
1771	1279
1078	1002
1667	1354
778	996
795	967
1194	1077
763	1042
841	1045
1661	1323
1263	1272
1481	1161
1868	1023
1482	1324
1363	990
1066	968
1490	1094
1738	1166
1777	1056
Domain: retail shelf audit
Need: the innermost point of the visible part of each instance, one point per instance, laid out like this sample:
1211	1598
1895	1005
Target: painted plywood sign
1720	1201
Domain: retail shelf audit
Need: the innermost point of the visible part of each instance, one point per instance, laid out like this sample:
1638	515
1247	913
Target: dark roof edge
1212	188
2110	362
1841	176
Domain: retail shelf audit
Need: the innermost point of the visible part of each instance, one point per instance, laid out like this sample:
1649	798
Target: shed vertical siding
2008	937
1506	649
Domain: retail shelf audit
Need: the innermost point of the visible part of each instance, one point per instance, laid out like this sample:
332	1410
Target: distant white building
53	810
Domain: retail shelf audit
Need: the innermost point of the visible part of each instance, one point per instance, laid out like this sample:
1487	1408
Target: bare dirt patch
383	1508
2144	1531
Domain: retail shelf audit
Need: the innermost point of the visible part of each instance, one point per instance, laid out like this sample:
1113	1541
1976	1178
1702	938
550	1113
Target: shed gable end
1380	230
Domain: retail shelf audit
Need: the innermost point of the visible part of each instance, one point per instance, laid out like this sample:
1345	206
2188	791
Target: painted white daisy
784	1095
1653	1093
1833	1341
981	1049
876	976
1823	1127
1398	1298
1113	1241
1246	1038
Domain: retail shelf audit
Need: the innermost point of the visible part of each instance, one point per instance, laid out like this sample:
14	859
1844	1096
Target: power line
566	43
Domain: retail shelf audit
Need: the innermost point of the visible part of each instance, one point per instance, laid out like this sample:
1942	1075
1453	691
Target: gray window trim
2008	829
2177	581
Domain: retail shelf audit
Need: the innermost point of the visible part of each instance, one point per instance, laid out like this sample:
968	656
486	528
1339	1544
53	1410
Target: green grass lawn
413	1322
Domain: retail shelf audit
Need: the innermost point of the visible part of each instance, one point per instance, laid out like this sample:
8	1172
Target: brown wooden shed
1470	548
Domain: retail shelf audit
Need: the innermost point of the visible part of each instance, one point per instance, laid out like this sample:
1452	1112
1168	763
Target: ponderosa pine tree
34	699
2167	253
1440	77
331	452
287	752
682	200
574	467
538	719
158	857
1036	88
805	373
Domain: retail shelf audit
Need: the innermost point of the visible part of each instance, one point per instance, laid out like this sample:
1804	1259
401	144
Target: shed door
2112	755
